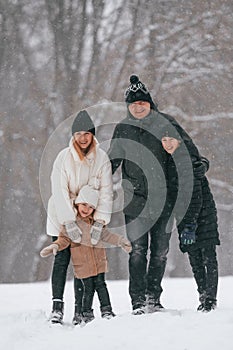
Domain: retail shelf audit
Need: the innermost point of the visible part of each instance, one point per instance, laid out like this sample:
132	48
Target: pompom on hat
88	195
83	122
137	91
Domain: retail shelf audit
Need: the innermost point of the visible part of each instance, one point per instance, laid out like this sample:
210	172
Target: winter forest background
57	57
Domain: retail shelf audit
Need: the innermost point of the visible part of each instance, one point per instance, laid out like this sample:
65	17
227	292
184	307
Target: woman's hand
95	232
73	231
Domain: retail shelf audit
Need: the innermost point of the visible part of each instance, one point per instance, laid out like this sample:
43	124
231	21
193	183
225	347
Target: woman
82	162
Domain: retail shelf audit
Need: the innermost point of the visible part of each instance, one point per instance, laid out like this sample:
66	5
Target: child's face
170	144
85	210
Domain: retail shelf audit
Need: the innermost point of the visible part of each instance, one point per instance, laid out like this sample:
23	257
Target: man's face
139	109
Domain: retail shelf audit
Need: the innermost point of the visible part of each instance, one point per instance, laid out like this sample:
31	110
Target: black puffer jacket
191	200
207	223
137	147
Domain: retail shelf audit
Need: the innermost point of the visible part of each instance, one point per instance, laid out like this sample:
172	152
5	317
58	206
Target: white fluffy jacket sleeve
104	207
62	197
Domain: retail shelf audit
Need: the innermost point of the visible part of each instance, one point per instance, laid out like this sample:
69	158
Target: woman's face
170	144
83	139
85	210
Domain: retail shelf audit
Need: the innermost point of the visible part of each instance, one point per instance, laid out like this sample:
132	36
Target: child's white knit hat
88	195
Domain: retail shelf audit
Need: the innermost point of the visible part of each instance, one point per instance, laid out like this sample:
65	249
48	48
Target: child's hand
125	245
47	251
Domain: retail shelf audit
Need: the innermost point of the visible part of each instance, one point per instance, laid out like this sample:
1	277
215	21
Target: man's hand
73	231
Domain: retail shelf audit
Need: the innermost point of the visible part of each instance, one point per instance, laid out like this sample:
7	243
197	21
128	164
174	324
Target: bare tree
57	57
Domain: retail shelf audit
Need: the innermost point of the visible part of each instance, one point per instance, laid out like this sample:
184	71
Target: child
197	223
89	262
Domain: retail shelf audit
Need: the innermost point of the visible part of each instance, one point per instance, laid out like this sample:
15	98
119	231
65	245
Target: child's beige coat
88	260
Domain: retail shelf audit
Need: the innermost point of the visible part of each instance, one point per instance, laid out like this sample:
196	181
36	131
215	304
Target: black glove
188	235
200	167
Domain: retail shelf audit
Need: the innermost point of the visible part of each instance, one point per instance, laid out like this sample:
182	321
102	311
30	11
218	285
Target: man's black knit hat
83	122
137	91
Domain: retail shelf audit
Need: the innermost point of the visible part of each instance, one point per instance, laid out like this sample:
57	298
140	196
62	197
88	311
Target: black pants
146	269
92	284
205	269
59	272
78	292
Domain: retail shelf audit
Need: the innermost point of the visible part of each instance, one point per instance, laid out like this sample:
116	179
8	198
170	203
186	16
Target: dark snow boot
207	305
210	304
201	307
88	316
106	312
158	305
57	311
139	310
77	319
202	298
139	306
153	305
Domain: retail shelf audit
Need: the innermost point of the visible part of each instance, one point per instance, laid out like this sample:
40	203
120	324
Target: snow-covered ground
25	308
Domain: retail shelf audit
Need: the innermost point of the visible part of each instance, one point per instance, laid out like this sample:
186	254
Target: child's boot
106	312
88	316
77	319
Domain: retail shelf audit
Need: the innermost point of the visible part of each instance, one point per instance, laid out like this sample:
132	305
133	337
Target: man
136	146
